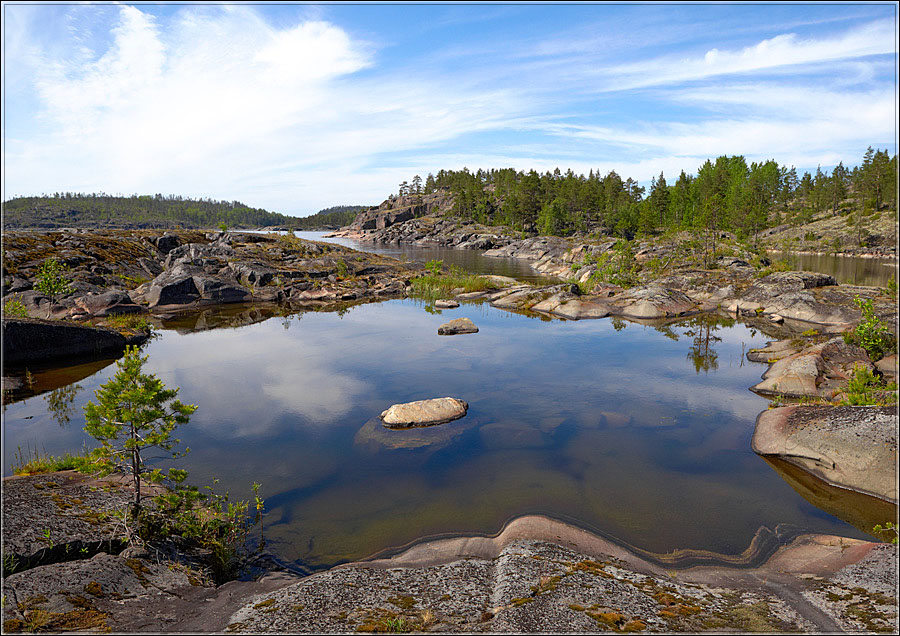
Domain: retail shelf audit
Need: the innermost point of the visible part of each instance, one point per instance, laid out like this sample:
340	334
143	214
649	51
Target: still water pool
640	433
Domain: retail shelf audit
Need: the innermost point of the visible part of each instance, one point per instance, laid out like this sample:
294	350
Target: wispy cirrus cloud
783	52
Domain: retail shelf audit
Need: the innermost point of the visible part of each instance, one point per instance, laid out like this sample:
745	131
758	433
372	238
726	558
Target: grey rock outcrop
30	340
107	303
817	371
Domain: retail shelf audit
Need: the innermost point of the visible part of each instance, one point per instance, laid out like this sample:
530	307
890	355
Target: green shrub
51	281
865	388
872	334
13	308
434	267
207	519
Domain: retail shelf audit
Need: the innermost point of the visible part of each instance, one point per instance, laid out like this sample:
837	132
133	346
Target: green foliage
36	463
129	321
435	267
70	209
865	388
872	334
13	308
51	281
335	216
441	285
616	267
205	518
888	528
891	289
726	194
341	268
135	412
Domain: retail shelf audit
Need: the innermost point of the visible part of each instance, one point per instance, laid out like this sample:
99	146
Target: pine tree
134	413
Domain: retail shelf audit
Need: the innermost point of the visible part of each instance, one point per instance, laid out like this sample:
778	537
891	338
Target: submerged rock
424	412
457	326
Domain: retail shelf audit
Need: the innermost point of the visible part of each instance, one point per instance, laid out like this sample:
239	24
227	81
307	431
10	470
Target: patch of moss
94	588
546	584
613	620
403	602
263	604
140	569
79	602
518	602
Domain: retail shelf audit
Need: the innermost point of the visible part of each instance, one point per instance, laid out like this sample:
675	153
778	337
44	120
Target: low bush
871	333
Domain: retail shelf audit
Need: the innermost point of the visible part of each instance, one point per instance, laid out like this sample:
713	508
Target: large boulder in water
457	326
424	412
852	447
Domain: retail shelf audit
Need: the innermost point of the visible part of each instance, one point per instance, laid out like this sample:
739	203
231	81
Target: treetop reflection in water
641	433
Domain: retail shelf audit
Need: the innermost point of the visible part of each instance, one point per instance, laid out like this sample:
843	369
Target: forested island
726	194
71	209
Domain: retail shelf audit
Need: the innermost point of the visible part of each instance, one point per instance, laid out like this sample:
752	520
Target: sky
298	107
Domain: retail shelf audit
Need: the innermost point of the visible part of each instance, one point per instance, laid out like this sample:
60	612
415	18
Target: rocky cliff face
397	210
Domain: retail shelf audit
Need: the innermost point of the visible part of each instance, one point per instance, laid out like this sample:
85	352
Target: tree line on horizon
726	194
62	209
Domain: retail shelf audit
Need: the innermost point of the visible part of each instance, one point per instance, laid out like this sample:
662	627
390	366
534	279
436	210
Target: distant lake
848	270
640	433
470	260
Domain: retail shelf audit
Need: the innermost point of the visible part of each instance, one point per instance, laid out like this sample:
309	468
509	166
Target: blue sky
298	107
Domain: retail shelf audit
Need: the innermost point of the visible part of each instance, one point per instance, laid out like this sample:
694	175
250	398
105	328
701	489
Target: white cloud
785	50
219	102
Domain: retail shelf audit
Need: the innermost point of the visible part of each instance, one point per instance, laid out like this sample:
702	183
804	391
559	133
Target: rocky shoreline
123	272
537	574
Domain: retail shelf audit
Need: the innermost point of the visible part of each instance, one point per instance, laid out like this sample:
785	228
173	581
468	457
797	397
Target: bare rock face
107	303
424	412
457	326
853	447
31	340
819	371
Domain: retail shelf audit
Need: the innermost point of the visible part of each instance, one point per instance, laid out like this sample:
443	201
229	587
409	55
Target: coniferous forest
726	194
68	209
